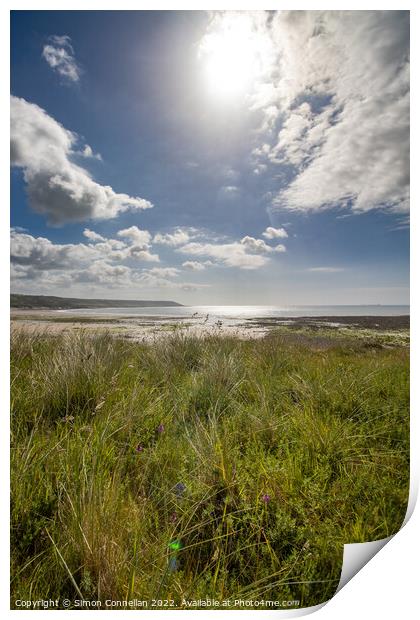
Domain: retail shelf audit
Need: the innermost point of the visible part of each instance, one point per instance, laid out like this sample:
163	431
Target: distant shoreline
51	302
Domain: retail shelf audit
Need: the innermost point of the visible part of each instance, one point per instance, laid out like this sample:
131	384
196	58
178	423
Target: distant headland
71	303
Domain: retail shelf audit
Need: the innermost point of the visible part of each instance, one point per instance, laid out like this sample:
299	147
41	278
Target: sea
235	314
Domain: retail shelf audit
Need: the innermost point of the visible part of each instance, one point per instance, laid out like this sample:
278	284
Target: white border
387	586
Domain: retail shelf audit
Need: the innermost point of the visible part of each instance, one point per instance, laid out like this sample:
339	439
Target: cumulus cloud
193	265
248	253
178	237
140	244
92	235
140	253
23	276
230	254
279	248
102	272
333	89
257	246
112	249
275	233
136	236
42	263
57	187
104	261
164	272
41	254
154	280
59	55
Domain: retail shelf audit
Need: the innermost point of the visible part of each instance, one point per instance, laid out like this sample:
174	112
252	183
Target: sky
211	157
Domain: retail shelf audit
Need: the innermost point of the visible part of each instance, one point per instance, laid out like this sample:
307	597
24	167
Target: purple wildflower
139	448
179	489
160	428
266	498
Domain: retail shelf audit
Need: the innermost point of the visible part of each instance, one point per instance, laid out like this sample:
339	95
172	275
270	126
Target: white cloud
58	188
41	254
326	269
230	254
112	249
355	149
89	154
256	246
178	237
140	240
42	263
164	272
39	265
193	265
59	54
102	272
154	280
336	84
279	248
92	235
137	236
139	253
275	233
245	254
23	276
291	146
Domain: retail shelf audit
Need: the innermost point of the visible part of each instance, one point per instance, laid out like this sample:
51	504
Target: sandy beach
142	329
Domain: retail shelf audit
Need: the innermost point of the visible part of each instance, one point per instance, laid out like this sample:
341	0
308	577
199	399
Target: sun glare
233	56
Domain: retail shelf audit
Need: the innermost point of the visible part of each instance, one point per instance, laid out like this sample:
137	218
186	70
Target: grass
66	319
195	468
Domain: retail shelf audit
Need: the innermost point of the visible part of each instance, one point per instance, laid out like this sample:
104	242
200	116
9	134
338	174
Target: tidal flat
149	328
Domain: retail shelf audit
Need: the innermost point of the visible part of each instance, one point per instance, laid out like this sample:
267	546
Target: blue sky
226	158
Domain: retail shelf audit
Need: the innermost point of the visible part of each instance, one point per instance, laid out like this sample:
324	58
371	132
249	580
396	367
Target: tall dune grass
199	468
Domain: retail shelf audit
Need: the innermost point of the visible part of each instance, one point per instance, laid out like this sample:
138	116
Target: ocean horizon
234	313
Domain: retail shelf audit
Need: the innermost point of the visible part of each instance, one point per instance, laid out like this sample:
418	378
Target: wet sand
322	322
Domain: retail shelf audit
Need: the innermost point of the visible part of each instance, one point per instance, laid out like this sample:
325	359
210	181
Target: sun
234	54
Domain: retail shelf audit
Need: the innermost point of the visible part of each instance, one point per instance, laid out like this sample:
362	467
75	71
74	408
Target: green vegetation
343	335
59	303
68	319
196	468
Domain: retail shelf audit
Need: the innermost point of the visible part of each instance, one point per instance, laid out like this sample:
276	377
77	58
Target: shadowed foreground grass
196	468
